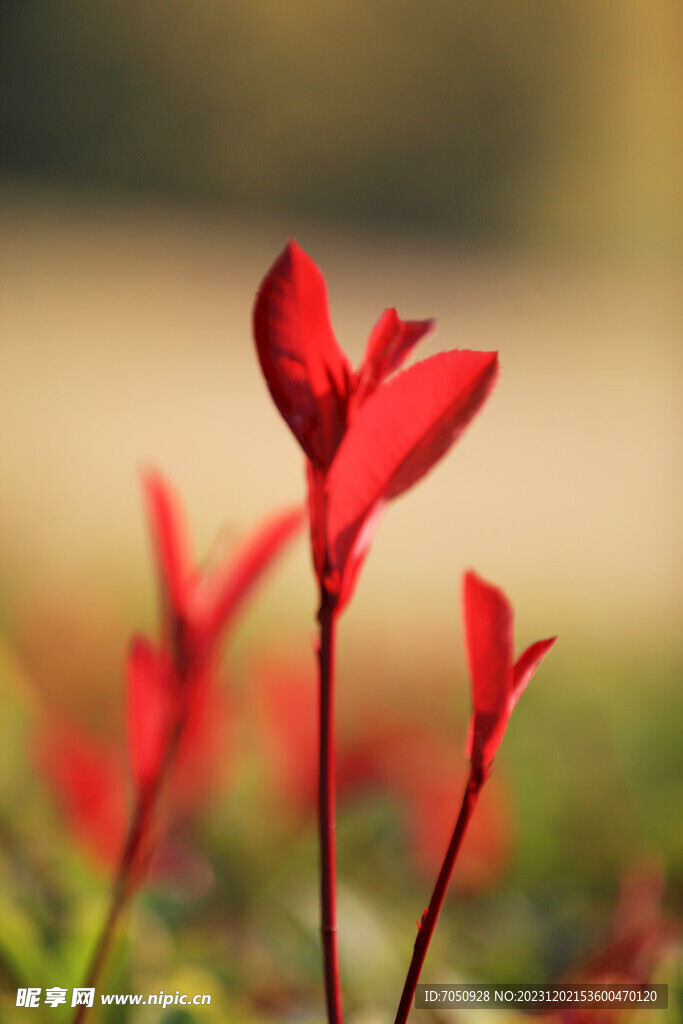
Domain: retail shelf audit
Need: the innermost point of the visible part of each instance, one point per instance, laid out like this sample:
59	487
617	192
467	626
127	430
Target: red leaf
87	778
390	343
152	703
488	633
497	684
307	373
288	720
397	436
218	597
526	665
171	542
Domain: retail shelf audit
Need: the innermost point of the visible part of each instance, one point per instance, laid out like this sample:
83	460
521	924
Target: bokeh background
510	168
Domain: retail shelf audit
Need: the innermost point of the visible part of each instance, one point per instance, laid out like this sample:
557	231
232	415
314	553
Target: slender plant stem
125	875
326	812
428	924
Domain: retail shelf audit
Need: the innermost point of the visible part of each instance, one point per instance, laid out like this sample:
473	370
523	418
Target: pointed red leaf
398	435
171	542
389	345
526	665
218	597
152	703
286	707
307	373
488	634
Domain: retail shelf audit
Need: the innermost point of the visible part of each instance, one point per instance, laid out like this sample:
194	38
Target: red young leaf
397	436
171	543
152	704
497	683
526	665
390	343
218	597
488	631
307	373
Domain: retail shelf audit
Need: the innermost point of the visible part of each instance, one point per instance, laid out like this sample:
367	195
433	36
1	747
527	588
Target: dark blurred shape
429	119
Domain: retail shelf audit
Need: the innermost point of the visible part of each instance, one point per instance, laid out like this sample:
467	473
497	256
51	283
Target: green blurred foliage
592	767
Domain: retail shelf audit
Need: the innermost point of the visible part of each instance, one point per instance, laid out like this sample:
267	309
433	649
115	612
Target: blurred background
510	168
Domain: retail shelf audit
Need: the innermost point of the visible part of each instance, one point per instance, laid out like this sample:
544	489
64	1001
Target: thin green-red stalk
123	883
327	813
428	924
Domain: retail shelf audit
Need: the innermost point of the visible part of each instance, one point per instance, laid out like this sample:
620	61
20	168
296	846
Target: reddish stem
326	811
424	936
124	881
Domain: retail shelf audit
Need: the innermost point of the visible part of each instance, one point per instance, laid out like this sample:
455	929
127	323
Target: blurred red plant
87	777
91	782
174	712
640	936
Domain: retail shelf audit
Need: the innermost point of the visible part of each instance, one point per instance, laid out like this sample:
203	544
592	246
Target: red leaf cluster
366	439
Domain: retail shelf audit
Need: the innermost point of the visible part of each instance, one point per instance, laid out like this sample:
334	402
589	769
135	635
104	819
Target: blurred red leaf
287	714
219	596
87	778
202	605
171	542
